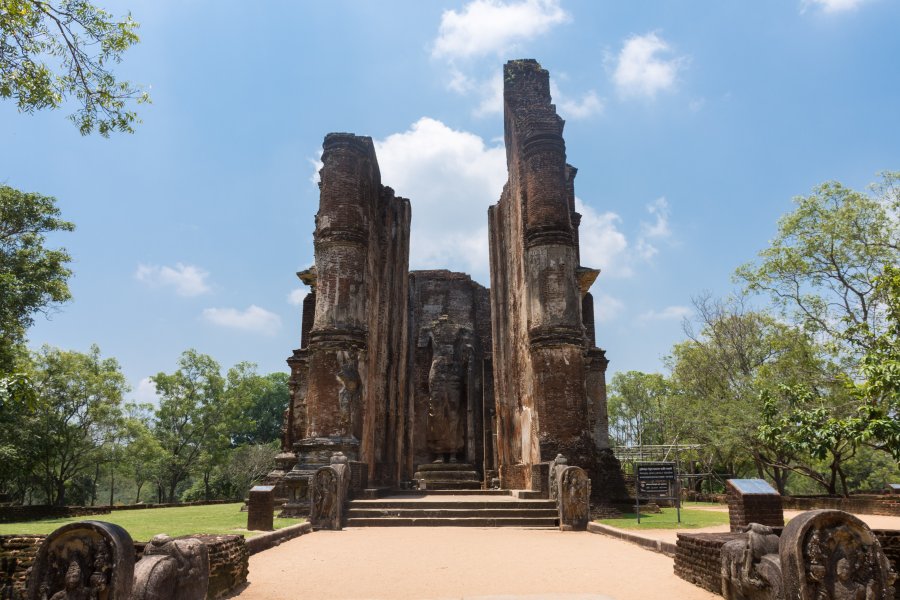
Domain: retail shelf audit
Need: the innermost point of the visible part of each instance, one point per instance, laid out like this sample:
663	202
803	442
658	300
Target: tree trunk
139	485
60	493
206	486
112	485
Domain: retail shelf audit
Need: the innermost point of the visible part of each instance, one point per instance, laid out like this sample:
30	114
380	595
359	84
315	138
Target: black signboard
656	480
661	471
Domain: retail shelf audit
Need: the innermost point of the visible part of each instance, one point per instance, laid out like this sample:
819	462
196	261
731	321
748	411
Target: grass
143	524
691	518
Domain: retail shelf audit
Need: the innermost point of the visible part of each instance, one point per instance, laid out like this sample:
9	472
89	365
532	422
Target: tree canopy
33	277
52	51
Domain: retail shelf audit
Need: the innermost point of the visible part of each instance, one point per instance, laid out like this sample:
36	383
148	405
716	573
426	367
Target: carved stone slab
573	499
330	487
830	554
81	561
555	465
172	569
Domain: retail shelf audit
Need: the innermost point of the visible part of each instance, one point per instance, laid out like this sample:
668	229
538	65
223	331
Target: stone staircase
447	476
491	508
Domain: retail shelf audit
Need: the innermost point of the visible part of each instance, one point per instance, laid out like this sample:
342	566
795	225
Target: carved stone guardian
172	569
82	561
559	461
330	489
832	554
573	498
751	569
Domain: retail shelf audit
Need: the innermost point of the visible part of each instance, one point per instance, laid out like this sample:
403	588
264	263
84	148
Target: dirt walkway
463	563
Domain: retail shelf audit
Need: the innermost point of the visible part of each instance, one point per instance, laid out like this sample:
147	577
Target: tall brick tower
549	379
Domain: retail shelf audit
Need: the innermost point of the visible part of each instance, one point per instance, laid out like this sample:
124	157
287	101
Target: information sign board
662	471
753	486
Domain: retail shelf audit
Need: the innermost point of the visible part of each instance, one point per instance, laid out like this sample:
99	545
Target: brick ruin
427	375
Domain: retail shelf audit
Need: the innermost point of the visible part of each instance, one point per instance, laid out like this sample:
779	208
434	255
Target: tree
142	454
77	412
638	409
32	277
822	265
189	417
262	400
717	376
818	425
54	50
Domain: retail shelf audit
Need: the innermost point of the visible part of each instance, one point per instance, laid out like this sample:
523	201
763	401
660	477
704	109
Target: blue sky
692	124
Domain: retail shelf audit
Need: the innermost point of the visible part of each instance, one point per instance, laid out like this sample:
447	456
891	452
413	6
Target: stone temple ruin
426	378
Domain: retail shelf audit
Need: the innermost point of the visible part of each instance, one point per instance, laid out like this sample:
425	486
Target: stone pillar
261	508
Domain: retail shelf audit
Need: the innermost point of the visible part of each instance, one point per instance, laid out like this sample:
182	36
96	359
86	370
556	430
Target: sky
692	124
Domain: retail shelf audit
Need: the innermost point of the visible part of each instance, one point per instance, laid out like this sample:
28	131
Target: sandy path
463	563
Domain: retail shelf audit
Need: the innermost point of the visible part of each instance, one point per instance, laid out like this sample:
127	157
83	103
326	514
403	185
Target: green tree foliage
142	454
190	416
879	391
32	277
638	409
819	425
263	400
76	414
717	375
54	50
822	265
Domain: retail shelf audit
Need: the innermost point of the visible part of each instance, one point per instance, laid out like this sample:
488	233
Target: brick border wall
660	546
698	556
861	504
37	512
274	538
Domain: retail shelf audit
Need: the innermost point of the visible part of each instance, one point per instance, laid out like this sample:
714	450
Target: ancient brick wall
744	509
887	505
36	512
229	562
550	390
17	554
890	543
449	323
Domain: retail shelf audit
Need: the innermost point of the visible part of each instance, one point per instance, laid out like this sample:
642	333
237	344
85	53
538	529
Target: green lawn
144	524
667	519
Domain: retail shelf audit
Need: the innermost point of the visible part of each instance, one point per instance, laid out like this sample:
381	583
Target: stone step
452	485
447	476
543	522
472	492
397	504
445	466
446	513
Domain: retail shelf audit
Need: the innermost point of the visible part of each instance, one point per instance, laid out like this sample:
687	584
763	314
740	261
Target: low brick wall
17	554
666	548
273	538
698	558
37	512
858	504
890	543
228	562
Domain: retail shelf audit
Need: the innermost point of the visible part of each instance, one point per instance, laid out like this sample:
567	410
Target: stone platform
447	476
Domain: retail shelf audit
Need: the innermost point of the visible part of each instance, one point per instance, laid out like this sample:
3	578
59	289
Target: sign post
656	481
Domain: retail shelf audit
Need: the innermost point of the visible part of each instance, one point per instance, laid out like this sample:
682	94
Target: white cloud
831	6
145	392
657	230
187	280
640	71
669	313
607	308
253	318
297	295
491	92
494	27
601	242
451	177
317	166
575	108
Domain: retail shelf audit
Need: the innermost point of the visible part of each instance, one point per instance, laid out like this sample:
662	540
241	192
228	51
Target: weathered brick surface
17	554
549	389
228	563
698	558
887	505
890	543
744	509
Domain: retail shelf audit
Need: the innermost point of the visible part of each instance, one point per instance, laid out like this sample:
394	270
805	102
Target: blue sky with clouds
692	125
